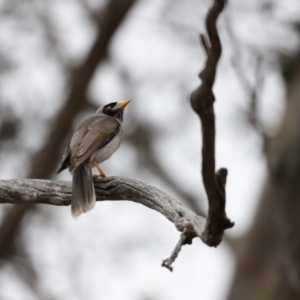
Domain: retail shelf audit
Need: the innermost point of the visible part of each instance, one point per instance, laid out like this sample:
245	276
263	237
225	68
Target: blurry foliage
9	125
289	66
8	129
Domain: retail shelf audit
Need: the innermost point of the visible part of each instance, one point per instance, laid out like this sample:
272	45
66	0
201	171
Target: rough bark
202	101
32	191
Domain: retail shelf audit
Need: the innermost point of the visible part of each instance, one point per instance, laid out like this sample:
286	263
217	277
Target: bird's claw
95	176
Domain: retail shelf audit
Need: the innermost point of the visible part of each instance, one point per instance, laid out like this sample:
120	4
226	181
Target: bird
94	141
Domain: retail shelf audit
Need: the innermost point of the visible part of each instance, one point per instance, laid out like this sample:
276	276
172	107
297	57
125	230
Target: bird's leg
101	172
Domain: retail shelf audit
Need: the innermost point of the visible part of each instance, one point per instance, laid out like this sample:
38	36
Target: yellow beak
124	104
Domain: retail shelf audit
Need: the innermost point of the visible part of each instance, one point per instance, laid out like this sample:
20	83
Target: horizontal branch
33	191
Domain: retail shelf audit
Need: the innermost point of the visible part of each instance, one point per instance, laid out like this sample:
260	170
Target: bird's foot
101	172
95	176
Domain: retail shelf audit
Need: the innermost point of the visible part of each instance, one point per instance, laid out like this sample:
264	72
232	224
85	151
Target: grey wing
93	134
77	137
65	160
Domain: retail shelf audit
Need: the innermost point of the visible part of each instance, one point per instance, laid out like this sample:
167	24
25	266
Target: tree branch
209	230
33	191
202	100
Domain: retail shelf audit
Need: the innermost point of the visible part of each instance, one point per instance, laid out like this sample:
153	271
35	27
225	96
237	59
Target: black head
115	109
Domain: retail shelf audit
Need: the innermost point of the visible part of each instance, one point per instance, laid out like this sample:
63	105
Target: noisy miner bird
95	140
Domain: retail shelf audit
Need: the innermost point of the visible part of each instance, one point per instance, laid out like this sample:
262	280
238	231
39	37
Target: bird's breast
107	151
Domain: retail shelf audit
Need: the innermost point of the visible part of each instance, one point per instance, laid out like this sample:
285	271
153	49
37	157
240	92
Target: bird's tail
83	192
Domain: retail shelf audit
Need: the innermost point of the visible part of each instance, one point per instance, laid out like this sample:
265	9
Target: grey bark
33	191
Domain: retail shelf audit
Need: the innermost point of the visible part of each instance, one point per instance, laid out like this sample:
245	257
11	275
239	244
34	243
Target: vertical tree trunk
268	266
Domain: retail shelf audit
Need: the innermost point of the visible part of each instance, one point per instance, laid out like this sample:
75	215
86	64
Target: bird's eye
110	106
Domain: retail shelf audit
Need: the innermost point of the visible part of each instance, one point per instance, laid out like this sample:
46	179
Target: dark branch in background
25	269
51	39
272	245
46	160
202	100
253	90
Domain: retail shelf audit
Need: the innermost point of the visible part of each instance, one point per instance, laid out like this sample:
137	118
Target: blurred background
61	59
